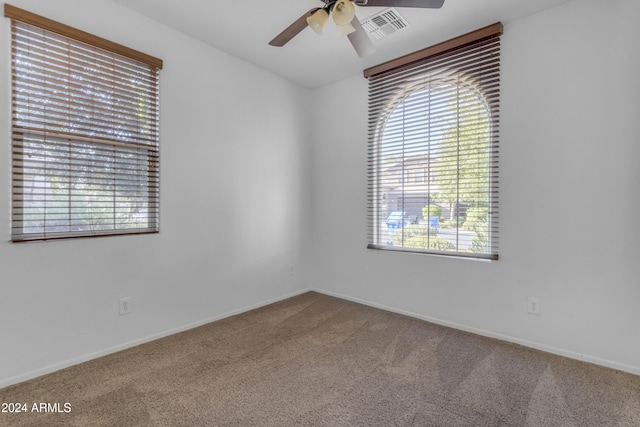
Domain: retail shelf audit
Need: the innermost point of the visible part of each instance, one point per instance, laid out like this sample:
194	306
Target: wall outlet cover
125	306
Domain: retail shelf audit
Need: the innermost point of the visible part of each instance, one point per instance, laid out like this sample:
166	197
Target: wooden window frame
123	148
392	82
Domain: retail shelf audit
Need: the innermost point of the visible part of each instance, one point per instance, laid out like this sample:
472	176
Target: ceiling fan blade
430	4
292	30
360	40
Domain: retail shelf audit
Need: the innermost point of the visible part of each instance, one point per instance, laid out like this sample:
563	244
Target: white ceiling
243	29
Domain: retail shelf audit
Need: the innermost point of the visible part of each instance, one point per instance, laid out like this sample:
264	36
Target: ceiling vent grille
384	23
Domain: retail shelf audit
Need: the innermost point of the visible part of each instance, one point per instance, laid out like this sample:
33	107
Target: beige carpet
315	360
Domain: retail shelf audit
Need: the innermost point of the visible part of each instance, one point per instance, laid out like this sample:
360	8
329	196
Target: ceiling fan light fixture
343	12
318	20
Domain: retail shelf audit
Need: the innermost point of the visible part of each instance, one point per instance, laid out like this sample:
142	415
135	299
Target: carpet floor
315	360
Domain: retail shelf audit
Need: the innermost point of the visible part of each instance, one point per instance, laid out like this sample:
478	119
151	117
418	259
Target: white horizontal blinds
85	139
433	150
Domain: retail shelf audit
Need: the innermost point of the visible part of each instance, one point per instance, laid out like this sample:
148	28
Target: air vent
384	23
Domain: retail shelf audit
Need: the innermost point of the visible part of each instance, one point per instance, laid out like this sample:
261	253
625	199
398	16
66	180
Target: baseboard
85	358
548	349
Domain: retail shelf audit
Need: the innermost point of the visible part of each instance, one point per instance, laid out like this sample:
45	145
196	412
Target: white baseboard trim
548	349
85	358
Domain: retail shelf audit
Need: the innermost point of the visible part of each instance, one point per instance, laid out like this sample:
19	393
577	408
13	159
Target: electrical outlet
125	306
292	270
533	306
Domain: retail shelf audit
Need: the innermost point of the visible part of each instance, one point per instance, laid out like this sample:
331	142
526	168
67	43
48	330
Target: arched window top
433	101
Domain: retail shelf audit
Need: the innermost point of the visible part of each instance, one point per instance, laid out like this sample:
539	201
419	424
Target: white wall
569	201
234	193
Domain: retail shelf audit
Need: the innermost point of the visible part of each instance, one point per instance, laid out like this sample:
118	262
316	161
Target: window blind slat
77	94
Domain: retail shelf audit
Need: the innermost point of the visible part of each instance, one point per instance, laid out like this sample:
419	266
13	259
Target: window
434	115
84	133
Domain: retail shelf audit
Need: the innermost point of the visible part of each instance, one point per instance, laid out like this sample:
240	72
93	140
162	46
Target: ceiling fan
346	21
